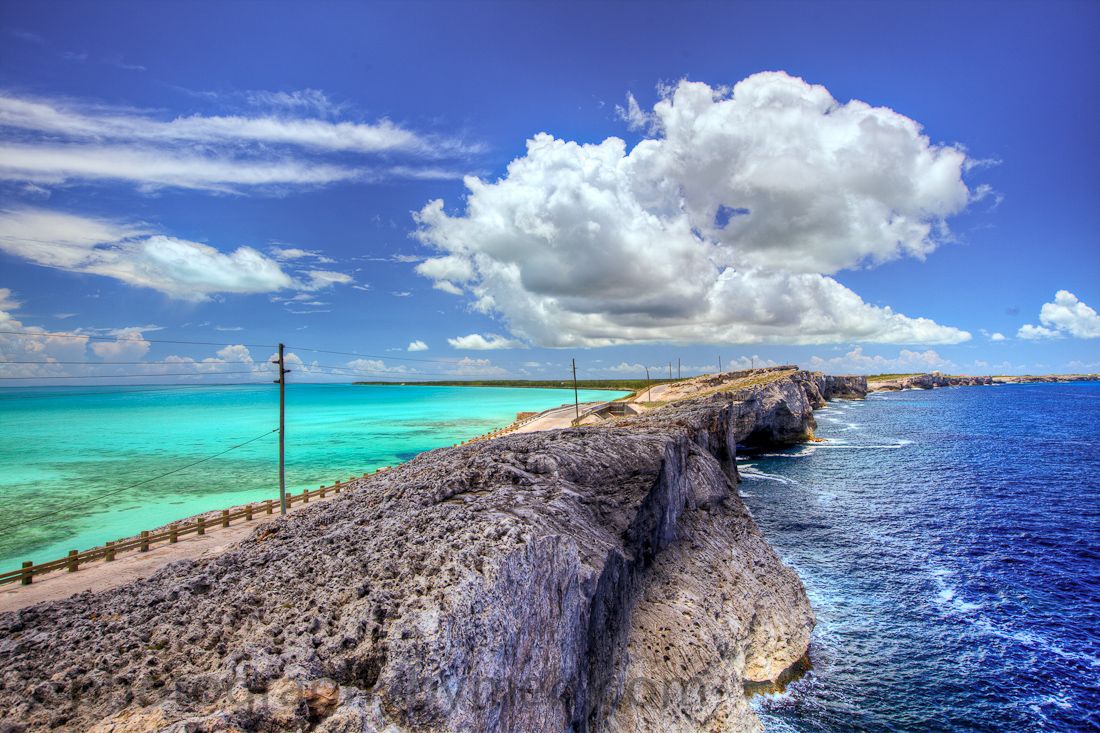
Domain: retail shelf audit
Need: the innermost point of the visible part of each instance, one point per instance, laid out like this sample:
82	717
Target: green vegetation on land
885	377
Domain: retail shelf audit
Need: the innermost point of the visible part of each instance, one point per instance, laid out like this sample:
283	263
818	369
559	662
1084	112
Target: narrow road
99	575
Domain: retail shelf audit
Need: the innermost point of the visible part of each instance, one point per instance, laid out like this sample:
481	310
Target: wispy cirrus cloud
50	141
55	163
138	255
284	254
73	120
310	100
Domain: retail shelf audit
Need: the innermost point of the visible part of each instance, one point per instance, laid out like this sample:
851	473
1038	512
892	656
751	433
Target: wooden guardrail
169	534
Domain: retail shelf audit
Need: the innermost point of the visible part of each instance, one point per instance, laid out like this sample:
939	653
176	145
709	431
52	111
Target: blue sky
244	174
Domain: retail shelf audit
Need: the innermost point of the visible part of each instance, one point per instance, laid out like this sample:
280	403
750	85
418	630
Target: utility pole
281	381
754	363
648	386
670	371
678	367
576	398
719	363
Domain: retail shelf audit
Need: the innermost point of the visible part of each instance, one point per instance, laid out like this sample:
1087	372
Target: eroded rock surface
593	579
933	380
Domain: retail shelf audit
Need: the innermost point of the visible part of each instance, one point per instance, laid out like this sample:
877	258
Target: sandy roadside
99	575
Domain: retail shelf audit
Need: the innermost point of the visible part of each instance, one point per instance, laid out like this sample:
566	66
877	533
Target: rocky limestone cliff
849	387
933	380
593	579
1046	378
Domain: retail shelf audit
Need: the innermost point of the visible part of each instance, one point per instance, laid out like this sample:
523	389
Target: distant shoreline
935	380
612	385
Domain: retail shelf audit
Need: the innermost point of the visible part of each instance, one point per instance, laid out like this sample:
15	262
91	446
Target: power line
369	372
127	363
149	390
71	335
97	497
374	356
260	371
131	376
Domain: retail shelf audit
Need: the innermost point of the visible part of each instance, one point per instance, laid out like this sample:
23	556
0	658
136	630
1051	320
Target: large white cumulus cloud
724	227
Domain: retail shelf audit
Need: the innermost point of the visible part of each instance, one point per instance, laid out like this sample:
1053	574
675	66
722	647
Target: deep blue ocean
950	544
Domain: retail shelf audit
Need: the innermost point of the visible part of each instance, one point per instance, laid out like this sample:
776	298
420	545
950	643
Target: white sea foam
801	453
855	446
761	475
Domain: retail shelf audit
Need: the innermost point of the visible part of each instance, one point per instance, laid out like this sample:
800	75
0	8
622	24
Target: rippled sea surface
63	448
950	544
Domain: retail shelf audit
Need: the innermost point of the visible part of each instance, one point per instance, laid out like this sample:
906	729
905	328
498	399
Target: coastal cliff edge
603	578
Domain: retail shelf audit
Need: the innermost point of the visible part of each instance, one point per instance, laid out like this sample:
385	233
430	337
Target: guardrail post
173	535
72	564
225	517
305	496
109	555
202	526
144	541
26	577
322	490
267	506
248	513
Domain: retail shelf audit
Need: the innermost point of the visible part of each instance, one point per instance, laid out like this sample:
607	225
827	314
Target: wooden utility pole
719	363
281	381
670	371
576	397
648	386
678	367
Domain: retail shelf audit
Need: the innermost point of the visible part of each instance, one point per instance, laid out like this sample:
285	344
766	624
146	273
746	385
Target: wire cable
97	497
130	376
373	356
128	363
71	335
152	389
308	367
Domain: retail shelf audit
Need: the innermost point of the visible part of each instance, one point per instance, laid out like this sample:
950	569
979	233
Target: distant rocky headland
934	380
600	578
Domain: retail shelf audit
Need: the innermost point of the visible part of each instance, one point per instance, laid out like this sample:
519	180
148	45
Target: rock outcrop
1046	378
936	380
848	387
933	380
593	579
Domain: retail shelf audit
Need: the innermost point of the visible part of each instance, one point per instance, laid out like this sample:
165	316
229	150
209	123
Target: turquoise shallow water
61	447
